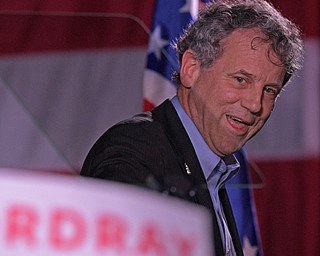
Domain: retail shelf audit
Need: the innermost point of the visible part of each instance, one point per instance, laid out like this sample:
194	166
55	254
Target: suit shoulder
145	117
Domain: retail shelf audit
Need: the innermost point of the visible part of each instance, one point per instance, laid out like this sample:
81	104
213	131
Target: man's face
231	101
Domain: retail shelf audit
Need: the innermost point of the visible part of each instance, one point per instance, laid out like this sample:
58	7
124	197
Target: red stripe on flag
304	13
33	26
288	206
147	105
43	33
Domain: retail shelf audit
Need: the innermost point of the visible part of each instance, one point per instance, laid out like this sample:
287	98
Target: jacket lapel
230	221
190	166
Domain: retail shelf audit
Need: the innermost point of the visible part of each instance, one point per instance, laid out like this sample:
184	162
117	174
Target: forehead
249	41
249	49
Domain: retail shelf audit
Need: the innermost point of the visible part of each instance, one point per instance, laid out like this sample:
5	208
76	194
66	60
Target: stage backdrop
71	69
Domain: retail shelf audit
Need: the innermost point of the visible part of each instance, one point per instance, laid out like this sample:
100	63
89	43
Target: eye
271	90
240	80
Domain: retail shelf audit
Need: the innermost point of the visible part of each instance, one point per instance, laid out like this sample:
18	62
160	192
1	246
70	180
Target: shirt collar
208	160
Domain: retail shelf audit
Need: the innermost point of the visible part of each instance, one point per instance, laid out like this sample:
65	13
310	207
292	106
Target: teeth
237	120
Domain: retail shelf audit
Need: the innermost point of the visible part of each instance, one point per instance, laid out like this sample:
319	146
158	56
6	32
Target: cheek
263	118
231	93
267	108
229	96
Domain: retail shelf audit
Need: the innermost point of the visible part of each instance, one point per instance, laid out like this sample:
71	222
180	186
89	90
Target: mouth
239	125
238	120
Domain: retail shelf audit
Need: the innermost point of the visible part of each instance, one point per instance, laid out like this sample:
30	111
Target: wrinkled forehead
246	39
251	51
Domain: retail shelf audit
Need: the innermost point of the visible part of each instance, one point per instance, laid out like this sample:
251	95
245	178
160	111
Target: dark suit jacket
152	150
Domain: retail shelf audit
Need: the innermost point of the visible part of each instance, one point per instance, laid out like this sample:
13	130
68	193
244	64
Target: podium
49	214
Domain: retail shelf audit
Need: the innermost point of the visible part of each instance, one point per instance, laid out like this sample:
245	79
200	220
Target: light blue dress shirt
217	171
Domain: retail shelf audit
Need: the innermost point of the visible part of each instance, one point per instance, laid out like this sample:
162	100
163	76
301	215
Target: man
234	61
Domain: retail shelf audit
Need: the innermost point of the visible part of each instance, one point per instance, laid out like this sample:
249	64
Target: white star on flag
248	249
191	6
157	43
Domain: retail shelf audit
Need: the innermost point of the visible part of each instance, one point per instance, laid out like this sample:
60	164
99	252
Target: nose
252	100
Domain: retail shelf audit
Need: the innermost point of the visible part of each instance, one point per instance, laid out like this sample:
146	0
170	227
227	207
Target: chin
233	149
231	146
228	152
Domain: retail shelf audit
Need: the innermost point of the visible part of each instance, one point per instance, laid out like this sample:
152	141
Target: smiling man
234	61
230	101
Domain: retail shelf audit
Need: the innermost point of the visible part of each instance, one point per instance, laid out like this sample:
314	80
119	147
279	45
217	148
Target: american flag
170	18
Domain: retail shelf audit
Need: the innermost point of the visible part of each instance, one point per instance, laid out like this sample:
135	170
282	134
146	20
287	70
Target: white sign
45	214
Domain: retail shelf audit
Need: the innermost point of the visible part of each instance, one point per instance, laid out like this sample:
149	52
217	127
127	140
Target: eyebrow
252	76
243	72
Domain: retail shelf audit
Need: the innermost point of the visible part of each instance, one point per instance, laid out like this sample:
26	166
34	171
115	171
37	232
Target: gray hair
219	19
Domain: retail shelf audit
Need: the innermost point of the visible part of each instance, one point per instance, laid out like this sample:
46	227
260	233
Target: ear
190	69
